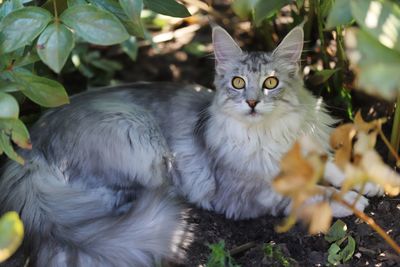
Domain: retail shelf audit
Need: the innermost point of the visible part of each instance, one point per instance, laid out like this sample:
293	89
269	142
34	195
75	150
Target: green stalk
395	136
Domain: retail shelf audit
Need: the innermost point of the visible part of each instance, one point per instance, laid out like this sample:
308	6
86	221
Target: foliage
274	253
337	235
302	167
11	234
219	257
51	33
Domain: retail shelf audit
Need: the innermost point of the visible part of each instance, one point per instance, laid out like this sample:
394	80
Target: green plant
219	257
274	254
337	236
48	33
11	234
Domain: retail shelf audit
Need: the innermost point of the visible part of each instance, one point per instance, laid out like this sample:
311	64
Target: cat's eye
238	83
271	82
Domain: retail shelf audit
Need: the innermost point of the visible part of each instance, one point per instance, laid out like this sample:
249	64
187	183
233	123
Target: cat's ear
291	46
225	48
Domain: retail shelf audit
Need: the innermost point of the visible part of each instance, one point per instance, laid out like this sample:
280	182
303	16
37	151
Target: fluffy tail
69	226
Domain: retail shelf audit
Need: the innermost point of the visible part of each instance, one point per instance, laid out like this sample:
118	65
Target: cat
93	189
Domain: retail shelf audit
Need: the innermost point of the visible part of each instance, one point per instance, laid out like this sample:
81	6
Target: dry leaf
318	216
341	141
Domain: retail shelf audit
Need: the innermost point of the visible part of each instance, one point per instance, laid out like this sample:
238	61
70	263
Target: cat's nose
252	103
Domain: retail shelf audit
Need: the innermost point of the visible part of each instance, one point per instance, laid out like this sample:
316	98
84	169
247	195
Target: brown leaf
341	141
318	216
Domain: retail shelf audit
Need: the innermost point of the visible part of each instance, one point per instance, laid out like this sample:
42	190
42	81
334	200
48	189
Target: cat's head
250	85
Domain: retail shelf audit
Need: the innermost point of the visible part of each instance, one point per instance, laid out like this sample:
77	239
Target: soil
172	63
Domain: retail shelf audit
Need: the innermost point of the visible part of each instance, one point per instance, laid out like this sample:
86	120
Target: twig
369	221
242	248
390	147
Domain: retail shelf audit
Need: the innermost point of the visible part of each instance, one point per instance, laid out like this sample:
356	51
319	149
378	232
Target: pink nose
252	103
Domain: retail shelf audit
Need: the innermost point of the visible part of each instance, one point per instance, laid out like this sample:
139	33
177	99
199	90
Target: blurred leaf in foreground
11	234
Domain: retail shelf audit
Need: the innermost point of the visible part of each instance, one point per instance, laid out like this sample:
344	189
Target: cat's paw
341	211
371	190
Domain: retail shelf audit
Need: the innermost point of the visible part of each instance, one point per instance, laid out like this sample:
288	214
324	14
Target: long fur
93	189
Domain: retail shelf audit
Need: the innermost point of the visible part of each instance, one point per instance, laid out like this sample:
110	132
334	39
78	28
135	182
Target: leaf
324	7
11	234
133	9
115	8
167	7
43	91
319	217
29	58
374	63
8	6
333	256
340	14
76	2
6	146
9	87
381	19
131	47
243	8
21	27
266	9
336	232
347	252
18	131
54	46
8	106
341	142
322	76
380	79
94	25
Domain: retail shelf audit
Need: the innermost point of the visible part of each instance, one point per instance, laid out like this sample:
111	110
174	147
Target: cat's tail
68	226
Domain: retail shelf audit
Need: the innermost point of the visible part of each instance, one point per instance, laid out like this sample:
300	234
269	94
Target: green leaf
322	76
380	19
29	58
11	234
133	9
8	87
131	47
348	251
115	8
8	106
333	254
380	79
336	232
19	132
76	2
266	9
325	7
340	14
167	7
8	6
94	25
376	64
54	46
6	146
243	8
21	27
43	91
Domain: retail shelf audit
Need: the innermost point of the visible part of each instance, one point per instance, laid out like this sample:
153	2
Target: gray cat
91	191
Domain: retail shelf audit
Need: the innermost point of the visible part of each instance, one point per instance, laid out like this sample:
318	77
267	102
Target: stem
392	151
55	9
242	248
369	221
395	136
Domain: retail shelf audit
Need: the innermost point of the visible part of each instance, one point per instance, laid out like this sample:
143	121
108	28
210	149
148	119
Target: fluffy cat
89	193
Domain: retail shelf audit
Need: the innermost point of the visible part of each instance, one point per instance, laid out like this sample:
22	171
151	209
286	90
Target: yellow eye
238	83
271	82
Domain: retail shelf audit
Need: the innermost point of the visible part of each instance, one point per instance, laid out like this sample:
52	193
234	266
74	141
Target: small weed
337	235
220	257
274	254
